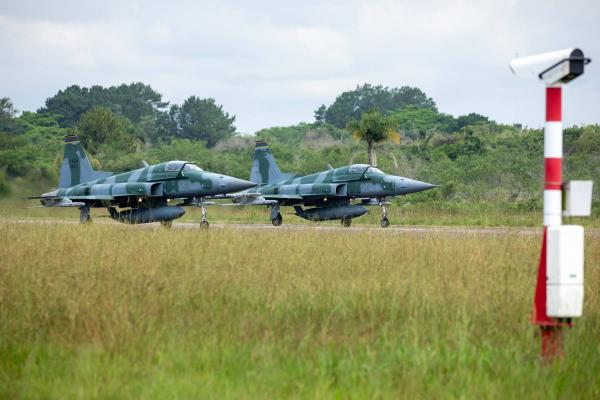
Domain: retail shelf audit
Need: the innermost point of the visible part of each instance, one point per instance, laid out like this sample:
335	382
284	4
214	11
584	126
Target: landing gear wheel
385	222
204	221
167	224
277	220
84	215
346	222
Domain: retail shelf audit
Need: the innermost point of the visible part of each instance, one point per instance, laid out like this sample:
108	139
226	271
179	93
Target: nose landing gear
385	222
204	221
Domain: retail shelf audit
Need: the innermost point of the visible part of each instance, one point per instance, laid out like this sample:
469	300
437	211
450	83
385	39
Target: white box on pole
578	198
564	271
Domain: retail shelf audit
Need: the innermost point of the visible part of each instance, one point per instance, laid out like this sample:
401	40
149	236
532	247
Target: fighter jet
338	193
143	194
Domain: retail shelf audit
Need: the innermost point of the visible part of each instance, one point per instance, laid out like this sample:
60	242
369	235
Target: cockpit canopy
373	170
364	168
183	166
189	167
174	166
357	168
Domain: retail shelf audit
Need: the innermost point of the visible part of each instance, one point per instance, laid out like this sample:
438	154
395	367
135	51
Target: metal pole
553	152
551	328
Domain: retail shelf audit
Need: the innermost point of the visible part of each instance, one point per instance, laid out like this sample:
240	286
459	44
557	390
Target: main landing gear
385	222
167	224
346	221
85	216
276	218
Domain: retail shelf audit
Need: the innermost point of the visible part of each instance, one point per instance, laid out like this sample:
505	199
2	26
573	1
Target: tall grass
111	311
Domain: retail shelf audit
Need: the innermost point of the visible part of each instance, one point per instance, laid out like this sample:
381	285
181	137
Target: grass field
113	311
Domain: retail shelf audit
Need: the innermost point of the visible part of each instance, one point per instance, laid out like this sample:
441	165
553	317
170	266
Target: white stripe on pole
552	207
553	140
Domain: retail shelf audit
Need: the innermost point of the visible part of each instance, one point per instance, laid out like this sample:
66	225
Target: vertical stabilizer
76	167
264	167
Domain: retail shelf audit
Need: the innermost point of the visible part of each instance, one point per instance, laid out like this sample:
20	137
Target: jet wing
250	199
95	197
283	196
193	202
55	201
372	201
72	201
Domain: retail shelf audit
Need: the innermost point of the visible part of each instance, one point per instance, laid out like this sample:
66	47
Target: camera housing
555	67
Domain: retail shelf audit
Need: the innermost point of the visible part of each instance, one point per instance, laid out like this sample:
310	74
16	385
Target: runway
398	229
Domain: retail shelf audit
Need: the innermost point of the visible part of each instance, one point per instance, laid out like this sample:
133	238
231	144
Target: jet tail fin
76	167
264	167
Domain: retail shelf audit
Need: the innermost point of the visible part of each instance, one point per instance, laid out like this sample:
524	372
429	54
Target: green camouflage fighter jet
329	193
144	192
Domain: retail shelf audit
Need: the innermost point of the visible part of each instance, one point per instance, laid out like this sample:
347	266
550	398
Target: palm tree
373	127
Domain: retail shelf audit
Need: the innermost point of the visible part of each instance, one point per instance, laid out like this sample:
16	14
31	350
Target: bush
5	188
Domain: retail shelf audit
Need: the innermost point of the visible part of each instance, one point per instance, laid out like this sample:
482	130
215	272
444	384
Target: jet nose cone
236	185
414	186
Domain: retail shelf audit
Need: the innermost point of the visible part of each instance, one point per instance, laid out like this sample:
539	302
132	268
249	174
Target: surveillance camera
554	67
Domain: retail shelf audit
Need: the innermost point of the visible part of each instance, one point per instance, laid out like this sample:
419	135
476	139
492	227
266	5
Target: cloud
271	64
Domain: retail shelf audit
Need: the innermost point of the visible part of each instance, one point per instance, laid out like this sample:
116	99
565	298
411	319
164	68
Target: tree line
475	158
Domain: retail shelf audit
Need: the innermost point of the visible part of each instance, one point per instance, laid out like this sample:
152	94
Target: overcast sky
274	62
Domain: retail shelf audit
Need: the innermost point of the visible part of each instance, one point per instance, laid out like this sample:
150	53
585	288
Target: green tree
71	103
7	114
17	154
416	123
320	114
7	110
5	188
373	127
133	101
471	119
202	119
352	104
99	127
589	140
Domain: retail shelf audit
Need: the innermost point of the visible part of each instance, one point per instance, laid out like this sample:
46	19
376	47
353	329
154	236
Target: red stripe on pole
553	104
539	301
552	173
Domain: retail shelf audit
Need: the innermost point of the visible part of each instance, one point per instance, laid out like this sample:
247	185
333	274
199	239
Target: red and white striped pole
551	328
555	69
553	151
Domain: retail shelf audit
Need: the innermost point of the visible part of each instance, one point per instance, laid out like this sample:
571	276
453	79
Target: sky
272	63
